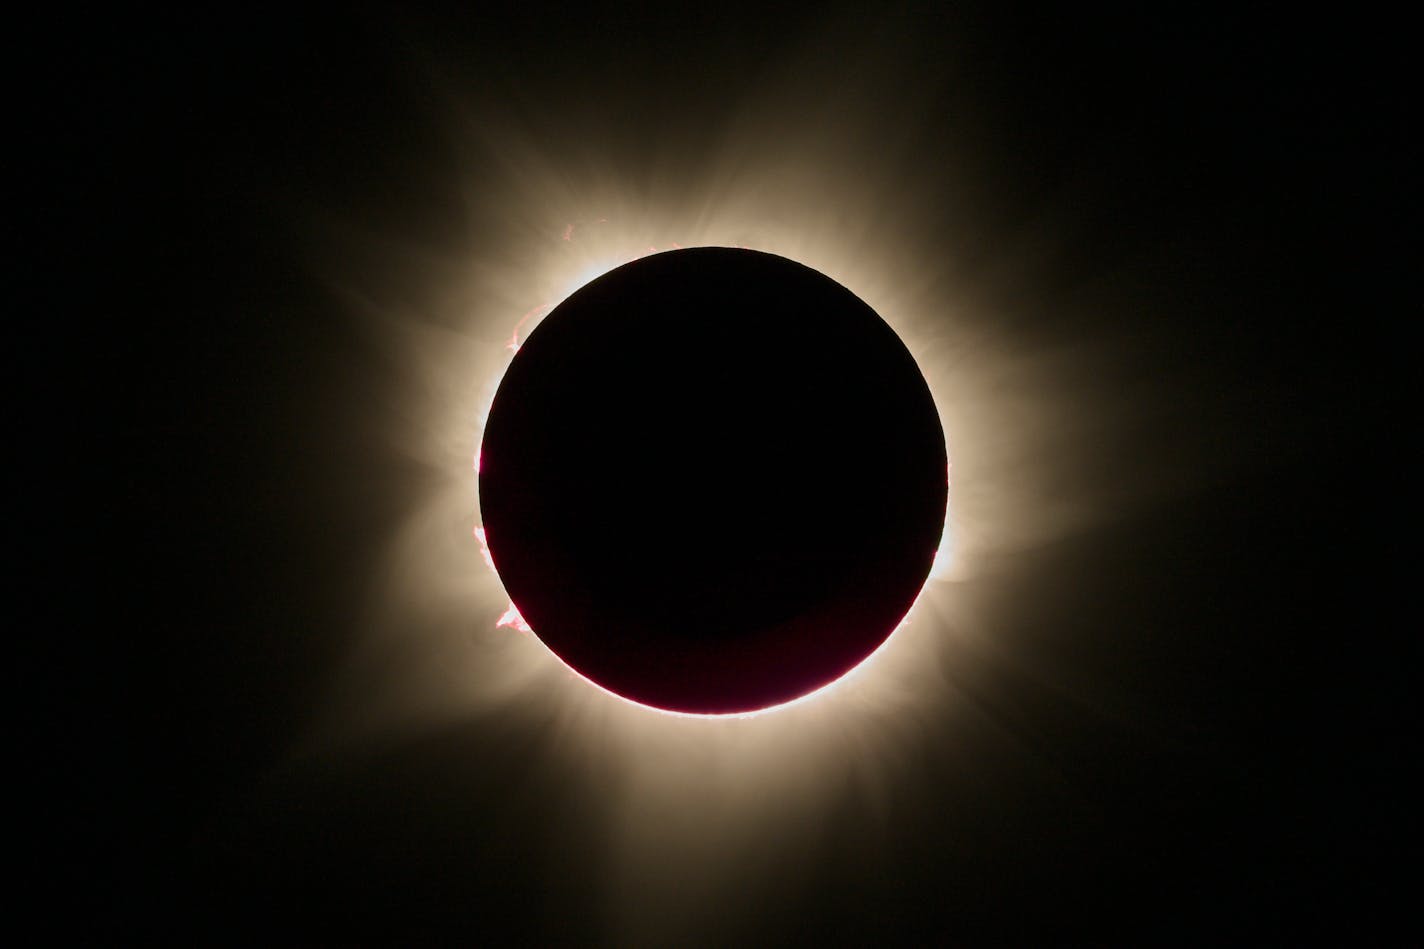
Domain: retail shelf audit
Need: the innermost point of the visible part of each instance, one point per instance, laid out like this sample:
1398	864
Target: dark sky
1180	716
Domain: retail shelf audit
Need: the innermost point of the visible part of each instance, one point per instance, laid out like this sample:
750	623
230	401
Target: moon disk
713	480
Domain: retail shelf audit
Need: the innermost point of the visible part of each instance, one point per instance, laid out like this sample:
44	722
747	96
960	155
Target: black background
202	394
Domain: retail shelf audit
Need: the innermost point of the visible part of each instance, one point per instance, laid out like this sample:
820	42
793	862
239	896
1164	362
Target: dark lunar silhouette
713	480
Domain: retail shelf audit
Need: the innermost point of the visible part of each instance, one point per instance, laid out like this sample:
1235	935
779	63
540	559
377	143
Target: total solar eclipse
713	480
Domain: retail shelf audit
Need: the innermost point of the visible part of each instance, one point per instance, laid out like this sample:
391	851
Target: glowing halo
1105	262
501	305
840	195
441	649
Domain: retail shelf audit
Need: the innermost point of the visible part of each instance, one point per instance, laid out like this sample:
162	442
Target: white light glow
843	192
